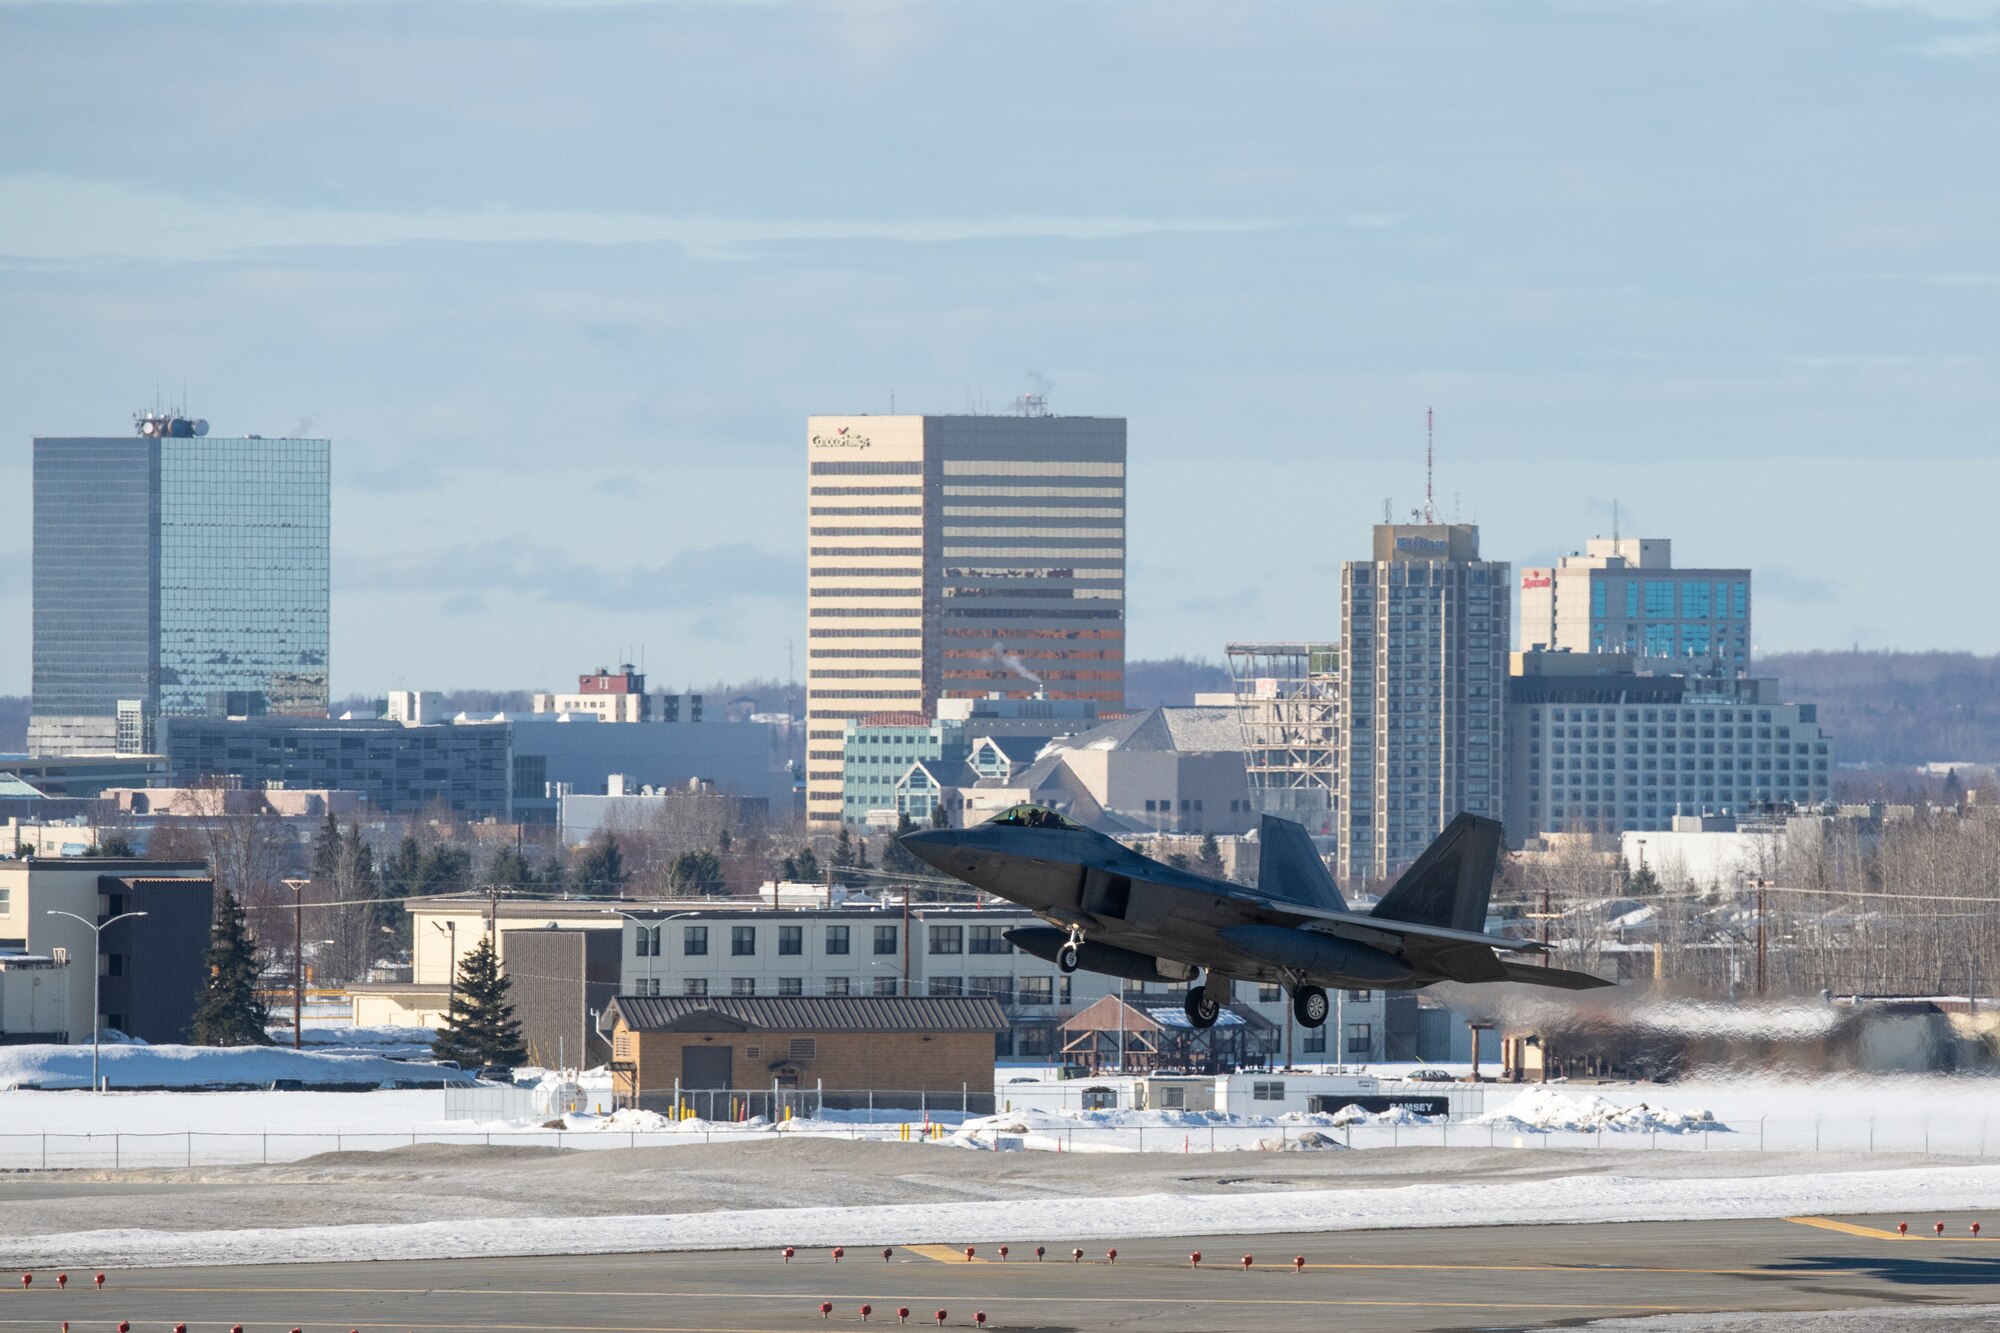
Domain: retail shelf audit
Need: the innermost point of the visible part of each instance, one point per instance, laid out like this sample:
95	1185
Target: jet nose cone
937	846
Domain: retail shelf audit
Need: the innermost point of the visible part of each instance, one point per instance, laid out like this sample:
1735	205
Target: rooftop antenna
1614	518
1430	458
1386	514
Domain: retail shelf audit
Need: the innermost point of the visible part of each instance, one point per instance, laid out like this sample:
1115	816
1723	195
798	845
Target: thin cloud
62	219
706	577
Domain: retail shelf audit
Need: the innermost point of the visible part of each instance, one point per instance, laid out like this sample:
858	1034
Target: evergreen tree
1178	860
788	870
939	819
1209	859
326	851
509	869
111	844
896	858
444	869
601	868
805	866
843	851
230	1014
1643	883
551	874
695	873
400	872
480	1029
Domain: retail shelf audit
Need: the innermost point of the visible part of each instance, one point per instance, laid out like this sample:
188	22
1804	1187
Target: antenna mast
1430	462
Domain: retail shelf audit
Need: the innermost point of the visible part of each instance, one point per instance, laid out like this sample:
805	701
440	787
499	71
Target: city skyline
1744	290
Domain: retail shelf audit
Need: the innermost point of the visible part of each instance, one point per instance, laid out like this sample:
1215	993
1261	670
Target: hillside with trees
1898	708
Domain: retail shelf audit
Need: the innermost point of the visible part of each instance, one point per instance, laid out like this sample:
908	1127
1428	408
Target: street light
96	979
298	888
643	924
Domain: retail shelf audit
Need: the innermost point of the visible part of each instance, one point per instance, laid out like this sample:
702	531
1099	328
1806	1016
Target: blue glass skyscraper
176	573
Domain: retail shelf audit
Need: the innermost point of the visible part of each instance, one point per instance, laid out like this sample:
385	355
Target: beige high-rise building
958	556
1422	694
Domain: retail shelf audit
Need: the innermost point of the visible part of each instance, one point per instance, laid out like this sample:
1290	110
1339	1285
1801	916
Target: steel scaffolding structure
1287	706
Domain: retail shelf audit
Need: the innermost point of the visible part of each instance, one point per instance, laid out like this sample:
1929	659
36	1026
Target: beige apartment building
958	557
1421	709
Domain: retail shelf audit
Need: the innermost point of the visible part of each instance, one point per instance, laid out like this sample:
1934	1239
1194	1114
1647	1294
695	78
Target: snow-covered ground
1566	1199
1956	1116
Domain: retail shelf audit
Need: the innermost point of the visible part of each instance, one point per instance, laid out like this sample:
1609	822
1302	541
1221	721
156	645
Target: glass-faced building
176	574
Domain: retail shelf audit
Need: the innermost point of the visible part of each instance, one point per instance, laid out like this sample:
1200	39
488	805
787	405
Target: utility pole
1760	934
298	887
96	982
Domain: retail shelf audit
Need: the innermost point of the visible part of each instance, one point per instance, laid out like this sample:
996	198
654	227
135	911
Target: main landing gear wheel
1309	1006
1202	1008
1068	957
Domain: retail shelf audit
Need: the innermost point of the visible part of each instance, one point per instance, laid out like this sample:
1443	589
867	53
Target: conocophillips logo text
844	437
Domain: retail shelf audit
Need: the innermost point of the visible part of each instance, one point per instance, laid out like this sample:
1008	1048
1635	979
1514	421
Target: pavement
1487	1278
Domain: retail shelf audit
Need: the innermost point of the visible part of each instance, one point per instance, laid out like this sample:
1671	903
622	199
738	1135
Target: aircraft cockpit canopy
1033	816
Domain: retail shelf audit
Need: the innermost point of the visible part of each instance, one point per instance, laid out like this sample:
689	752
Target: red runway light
826	1309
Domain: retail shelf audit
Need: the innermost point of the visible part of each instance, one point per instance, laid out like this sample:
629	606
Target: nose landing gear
1070	956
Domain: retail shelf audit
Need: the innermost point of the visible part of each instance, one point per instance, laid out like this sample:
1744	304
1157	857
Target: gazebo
1152	1037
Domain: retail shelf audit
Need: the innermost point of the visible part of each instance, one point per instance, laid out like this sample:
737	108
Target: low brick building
724	1057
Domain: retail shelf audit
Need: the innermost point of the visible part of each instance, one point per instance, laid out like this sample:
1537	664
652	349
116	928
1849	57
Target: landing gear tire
1068	957
1309	1006
1202	1008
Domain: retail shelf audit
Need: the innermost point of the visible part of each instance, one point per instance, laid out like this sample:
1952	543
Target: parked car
1430	1076
494	1074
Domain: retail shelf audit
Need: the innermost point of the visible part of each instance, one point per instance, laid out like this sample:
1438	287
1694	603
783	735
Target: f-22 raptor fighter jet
1117	912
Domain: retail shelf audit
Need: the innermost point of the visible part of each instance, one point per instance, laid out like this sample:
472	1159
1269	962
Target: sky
562	282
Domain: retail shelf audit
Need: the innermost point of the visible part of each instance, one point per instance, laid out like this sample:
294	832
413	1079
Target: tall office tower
954	557
1623	595
175	573
1422	694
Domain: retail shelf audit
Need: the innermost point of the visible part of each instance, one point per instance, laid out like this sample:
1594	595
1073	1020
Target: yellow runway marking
944	1254
1879	1233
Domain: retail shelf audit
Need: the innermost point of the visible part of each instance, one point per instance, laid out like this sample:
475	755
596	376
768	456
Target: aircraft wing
1359	926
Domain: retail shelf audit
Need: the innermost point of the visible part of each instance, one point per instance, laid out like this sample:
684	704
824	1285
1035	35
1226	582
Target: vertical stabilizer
1452	881
1289	867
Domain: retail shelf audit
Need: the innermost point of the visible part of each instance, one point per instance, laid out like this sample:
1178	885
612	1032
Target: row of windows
1001	467
791	940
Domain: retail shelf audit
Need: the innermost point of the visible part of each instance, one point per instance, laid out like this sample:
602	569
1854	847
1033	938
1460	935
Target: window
791	985
1631	599
995	988
647	939
1659	599
885	939
836	941
1267	1092
650	986
1269	993
1360	1038
947	986
837	986
694	941
6	901
791	941
1036	990
947	939
743	985
742	941
1598	590
883	986
988	939
1314	1041
696	986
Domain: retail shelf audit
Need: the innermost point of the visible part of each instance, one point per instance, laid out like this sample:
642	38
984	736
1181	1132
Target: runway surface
1487	1278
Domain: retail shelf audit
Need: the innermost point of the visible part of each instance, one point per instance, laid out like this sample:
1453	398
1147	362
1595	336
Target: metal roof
811	1013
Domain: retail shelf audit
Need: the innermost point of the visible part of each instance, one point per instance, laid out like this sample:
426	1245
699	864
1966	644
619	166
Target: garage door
706	1066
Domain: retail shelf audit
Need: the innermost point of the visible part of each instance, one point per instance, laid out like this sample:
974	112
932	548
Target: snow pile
376	1036
1541	1110
211	1067
1310	1141
631	1120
